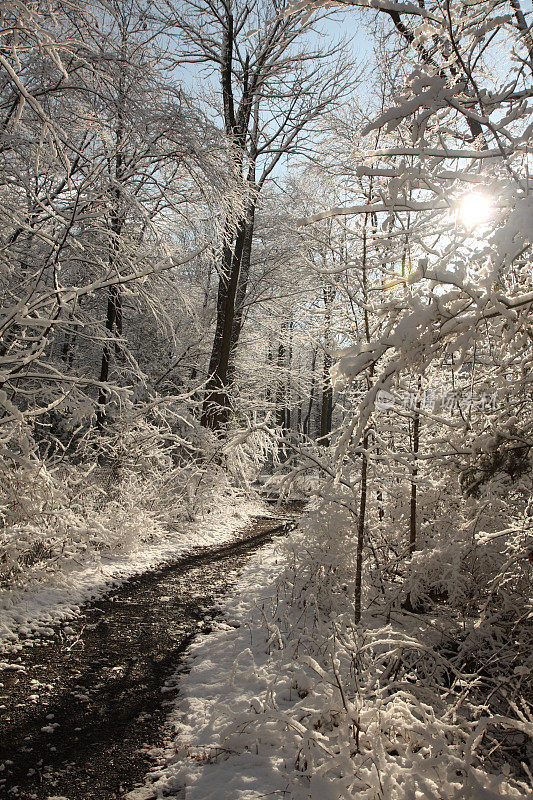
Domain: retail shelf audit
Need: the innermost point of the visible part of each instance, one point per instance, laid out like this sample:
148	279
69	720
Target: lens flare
474	209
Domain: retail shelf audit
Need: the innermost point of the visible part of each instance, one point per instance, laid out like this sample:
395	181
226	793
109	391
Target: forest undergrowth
428	703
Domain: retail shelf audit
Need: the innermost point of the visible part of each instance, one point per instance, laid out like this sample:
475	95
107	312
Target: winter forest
266	350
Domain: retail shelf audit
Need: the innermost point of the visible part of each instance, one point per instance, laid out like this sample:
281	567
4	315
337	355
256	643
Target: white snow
257	719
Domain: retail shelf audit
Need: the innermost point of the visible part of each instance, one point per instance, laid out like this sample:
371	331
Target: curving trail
79	714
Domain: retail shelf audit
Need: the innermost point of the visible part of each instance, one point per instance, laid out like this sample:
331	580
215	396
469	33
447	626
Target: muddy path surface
79	712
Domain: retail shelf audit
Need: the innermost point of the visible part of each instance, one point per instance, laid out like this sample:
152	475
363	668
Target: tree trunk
364	464
280	393
307	419
326	410
242	288
114	298
216	406
282	412
216	401
360	534
414	473
112	316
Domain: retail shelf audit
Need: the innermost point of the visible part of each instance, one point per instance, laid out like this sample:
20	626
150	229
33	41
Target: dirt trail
79	713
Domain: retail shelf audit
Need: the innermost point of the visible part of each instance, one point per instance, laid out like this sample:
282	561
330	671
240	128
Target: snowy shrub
125	488
401	706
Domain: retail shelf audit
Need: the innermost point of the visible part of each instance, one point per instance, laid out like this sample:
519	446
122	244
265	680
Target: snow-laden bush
118	490
402	706
53	517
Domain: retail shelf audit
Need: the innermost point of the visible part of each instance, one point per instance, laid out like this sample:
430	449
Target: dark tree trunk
414	473
360	534
281	418
216	405
69	341
113	322
326	409
307	419
114	314
364	463
216	402
242	288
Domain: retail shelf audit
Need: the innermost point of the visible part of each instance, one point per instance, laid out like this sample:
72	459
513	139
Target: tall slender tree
274	89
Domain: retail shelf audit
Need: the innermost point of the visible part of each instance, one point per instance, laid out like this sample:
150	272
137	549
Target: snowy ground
230	667
55	595
256	718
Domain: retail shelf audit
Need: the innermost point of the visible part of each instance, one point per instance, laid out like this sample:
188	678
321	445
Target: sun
474	209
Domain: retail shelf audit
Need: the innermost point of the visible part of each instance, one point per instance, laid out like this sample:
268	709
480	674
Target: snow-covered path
228	669
79	713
